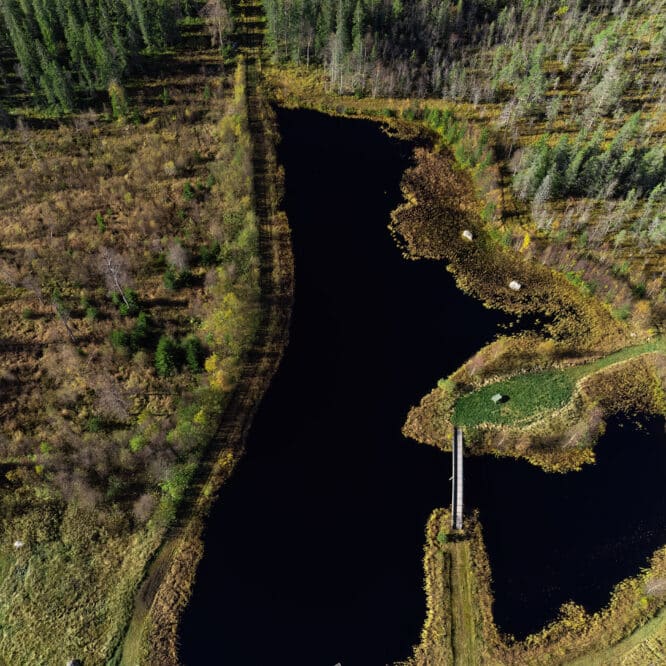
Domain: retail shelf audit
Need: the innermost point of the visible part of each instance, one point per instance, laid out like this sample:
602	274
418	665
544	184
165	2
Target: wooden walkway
457	490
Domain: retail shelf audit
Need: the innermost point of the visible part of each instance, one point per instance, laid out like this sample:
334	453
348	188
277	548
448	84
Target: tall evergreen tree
69	47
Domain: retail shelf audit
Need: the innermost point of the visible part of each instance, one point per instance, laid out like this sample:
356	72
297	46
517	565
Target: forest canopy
573	91
64	50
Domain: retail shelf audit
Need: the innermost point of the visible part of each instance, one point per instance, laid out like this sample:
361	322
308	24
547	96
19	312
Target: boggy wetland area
316	543
272	272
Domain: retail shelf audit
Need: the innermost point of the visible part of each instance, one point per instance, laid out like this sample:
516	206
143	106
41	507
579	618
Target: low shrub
92	313
120	340
189	192
94	424
141	332
127	302
209	255
174	279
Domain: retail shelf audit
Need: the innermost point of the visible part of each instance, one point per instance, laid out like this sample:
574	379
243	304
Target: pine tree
358	28
534	167
166	356
21	43
46	25
607	93
652	168
139	12
53	82
99	37
5	120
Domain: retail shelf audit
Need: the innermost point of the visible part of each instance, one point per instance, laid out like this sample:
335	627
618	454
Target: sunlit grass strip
523	396
526	396
655	345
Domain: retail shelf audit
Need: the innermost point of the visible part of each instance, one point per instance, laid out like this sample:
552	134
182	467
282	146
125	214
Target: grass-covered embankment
526	397
453	616
153	635
459	626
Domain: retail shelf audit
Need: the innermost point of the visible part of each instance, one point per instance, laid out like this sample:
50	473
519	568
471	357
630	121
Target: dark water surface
314	550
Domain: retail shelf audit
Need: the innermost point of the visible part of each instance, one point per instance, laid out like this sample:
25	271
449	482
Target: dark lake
314	549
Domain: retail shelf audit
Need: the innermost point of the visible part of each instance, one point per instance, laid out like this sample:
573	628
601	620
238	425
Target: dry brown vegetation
128	256
441	205
116	193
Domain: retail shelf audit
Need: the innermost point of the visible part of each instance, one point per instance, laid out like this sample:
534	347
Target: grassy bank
527	397
153	636
552	418
459	627
452	630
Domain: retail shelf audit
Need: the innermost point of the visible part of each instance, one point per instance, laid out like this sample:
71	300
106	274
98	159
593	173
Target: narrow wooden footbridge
457	477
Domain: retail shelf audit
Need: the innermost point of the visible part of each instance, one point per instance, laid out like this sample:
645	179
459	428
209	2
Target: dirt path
465	651
152	634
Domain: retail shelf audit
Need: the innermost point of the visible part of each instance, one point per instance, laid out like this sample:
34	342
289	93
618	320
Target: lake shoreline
153	634
581	418
575	636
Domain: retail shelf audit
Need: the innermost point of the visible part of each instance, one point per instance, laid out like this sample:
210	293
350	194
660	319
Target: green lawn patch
526	396
523	397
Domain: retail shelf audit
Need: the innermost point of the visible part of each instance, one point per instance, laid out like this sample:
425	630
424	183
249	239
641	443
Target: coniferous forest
66	50
589	74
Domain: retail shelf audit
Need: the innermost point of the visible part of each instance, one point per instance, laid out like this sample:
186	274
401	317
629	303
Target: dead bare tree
25	134
218	21
61	311
177	257
110	397
115	269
